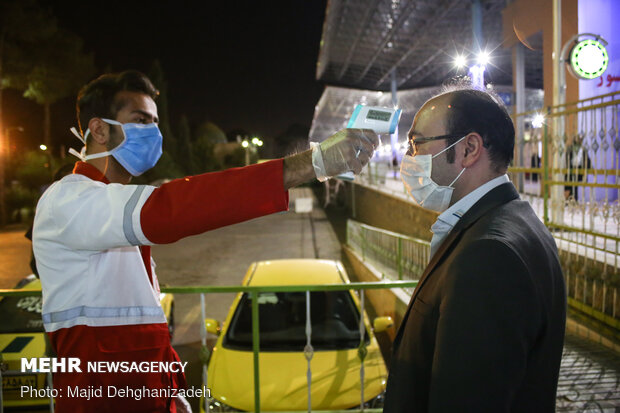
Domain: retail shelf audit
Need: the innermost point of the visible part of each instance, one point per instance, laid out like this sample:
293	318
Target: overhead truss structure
365	41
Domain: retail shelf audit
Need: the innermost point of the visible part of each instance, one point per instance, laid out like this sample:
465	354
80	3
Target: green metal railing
254	292
574	158
395	255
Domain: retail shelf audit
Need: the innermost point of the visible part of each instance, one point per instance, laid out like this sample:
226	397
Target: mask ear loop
457	177
82	154
445	149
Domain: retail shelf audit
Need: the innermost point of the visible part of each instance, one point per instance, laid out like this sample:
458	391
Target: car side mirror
380	324
213	326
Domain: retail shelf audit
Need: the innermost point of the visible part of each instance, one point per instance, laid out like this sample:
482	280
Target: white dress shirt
448	219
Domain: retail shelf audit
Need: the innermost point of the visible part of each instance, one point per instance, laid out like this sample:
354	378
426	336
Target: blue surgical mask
139	151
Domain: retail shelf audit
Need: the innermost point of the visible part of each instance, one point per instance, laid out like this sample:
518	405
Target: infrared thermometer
380	120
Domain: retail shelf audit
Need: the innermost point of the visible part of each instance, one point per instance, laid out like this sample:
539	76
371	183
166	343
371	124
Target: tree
211	133
23	26
185	152
156	74
62	68
207	135
294	139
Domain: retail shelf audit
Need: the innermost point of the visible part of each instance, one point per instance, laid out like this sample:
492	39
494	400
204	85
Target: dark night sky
240	64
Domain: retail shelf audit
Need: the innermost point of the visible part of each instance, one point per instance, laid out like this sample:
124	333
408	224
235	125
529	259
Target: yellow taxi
335	338
22	336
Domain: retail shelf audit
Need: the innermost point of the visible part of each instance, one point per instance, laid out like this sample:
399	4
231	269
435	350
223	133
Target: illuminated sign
588	59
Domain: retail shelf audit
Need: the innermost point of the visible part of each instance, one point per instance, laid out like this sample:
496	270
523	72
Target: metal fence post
362	351
203	348
255	349
363	231
545	166
399	257
309	350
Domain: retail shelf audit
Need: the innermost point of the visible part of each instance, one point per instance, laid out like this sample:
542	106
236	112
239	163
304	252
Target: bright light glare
538	120
255	141
259	142
245	144
460	61
43	147
483	58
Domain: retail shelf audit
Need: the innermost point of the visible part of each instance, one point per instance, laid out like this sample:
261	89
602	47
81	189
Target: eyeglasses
413	143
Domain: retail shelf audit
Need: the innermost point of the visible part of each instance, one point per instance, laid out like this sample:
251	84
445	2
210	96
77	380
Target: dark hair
98	98
483	112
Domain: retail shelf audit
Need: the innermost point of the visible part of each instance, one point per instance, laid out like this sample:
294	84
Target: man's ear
99	130
472	149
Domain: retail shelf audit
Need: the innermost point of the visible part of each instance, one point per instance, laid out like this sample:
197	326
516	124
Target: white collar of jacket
448	219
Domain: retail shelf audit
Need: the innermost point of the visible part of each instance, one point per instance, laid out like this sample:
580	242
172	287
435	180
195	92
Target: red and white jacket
92	240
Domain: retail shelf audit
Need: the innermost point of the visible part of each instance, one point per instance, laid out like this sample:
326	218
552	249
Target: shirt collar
453	214
90	171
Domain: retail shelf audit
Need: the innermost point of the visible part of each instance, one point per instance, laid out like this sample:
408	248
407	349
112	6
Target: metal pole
519	88
399	257
309	350
545	174
362	351
477	71
557	46
203	339
50	383
476	25
394	136
256	350
1	390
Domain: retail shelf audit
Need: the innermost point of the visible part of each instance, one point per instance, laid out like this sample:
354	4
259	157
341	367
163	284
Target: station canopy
363	41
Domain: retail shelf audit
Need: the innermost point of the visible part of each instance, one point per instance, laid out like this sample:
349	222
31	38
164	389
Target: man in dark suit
485	326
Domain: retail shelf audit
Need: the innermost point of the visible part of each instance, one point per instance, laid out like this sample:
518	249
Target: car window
282	322
21	315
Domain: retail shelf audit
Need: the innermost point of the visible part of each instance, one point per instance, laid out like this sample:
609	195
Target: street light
460	61
43	147
538	120
483	58
256	141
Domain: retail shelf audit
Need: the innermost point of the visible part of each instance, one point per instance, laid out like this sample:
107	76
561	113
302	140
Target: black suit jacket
485	327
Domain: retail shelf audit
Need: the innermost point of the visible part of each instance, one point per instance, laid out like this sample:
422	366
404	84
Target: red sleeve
195	204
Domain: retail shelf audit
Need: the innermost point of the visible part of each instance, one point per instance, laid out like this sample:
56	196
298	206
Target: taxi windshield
282	322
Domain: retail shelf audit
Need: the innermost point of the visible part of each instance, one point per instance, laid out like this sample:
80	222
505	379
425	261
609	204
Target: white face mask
415	172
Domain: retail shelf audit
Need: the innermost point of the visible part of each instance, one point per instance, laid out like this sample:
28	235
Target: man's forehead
431	117
136	102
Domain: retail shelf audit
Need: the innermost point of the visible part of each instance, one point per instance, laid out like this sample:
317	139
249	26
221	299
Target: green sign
589	59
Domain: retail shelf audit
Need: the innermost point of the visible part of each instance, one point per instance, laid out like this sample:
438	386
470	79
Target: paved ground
14	255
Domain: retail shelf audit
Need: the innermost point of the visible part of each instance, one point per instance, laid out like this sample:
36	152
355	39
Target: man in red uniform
93	231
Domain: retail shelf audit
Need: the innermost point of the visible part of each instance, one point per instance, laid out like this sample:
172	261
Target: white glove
346	150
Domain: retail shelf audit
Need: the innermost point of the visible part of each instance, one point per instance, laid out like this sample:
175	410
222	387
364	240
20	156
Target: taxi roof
296	272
